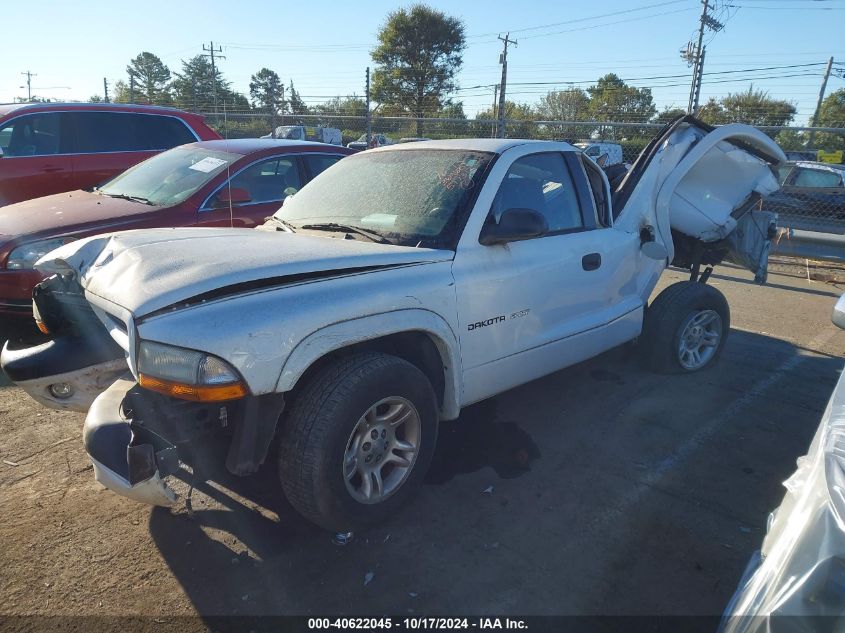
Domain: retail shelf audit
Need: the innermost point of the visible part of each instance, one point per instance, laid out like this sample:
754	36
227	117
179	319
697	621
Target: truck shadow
606	430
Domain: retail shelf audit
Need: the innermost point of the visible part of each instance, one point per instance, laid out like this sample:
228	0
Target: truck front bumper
128	458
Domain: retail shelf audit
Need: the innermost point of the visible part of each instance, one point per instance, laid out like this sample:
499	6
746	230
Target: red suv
48	148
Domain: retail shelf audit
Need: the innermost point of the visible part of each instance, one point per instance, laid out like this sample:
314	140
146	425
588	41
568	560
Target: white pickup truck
399	286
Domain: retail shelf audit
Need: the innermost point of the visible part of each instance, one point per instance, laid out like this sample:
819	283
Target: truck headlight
187	374
25	256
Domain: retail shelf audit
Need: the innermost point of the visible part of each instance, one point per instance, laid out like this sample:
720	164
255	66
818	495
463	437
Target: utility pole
29	77
815	118
105	90
282	101
209	52
495	110
367	101
700	68
694	54
503	60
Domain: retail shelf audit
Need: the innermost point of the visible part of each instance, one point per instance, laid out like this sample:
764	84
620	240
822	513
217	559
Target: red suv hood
64	213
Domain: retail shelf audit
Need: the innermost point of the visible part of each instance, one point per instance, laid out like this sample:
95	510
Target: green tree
572	104
418	55
520	119
151	78
753	107
791	139
295	104
331	111
611	99
194	88
831	114
266	91
667	115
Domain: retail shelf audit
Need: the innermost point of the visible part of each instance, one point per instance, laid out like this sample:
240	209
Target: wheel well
417	348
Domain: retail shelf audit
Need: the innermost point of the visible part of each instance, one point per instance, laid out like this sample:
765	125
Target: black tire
317	428
666	319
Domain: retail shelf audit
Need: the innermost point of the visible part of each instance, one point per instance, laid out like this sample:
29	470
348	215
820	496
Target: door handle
50	169
591	261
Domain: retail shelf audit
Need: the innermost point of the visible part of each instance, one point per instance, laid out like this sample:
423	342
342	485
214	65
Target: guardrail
796	242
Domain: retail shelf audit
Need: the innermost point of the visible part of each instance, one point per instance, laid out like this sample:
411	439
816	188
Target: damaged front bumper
129	458
136	438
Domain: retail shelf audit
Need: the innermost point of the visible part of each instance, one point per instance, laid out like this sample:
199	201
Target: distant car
210	183
795	581
413	139
47	148
801	155
809	191
376	140
330	135
596	150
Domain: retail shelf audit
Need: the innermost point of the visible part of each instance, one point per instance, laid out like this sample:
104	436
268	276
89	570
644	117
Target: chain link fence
812	197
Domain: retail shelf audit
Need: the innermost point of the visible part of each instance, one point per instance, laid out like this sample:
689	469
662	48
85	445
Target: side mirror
601	161
514	225
838	316
233	196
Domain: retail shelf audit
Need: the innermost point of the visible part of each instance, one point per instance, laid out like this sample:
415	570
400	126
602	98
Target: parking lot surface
602	489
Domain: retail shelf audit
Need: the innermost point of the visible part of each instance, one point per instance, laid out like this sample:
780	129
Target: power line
585	19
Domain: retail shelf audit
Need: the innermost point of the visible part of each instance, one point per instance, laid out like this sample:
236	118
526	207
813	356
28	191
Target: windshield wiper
124	196
290	227
348	228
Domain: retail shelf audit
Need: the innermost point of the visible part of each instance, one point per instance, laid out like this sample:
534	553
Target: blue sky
323	46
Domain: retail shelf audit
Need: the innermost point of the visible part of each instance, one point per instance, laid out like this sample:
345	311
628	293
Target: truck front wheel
685	328
357	440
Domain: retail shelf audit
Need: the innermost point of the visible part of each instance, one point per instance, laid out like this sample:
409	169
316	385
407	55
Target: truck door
528	308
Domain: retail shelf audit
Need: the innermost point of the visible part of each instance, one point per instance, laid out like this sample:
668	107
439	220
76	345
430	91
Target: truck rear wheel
357	440
685	328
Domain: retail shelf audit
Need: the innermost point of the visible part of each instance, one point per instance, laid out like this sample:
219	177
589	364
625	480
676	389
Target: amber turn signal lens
195	393
44	329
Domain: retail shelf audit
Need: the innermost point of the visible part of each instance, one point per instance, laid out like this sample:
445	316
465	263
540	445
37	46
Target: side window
597	188
161	132
32	135
783	172
98	132
318	163
541	182
270	180
817	178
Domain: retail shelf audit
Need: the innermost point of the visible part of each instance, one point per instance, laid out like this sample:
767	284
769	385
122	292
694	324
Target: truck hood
145	271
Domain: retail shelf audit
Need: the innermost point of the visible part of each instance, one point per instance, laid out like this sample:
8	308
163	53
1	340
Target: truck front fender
346	333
